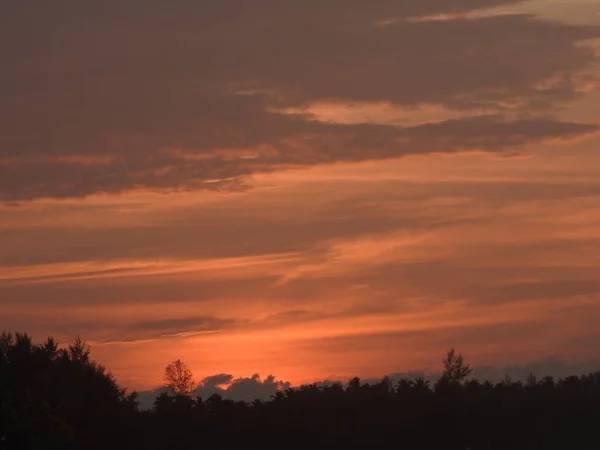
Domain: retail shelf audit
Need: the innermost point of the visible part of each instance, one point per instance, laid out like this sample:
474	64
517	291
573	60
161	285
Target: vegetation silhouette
179	380
55	397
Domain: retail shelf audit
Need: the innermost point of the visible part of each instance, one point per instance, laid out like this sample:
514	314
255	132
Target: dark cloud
101	99
244	389
241	389
316	143
216	381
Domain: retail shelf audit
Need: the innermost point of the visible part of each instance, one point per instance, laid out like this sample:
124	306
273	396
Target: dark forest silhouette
58	398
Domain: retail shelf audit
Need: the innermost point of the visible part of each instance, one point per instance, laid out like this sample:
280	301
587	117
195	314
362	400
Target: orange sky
354	208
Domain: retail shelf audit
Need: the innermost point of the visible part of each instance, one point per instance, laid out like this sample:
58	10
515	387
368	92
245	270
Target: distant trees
455	368
179	379
53	397
56	397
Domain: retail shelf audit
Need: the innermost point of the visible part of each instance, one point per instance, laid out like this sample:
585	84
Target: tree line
55	397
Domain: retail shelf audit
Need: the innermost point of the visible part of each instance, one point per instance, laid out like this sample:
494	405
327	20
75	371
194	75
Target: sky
309	189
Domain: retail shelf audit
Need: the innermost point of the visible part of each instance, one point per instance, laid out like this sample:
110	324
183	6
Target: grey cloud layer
251	388
227	386
131	83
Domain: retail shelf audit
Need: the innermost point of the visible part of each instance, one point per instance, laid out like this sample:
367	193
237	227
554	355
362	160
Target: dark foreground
53	398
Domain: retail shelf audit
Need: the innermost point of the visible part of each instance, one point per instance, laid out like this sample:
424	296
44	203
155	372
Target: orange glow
355	212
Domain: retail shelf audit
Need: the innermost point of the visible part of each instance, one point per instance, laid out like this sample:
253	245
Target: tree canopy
455	368
179	379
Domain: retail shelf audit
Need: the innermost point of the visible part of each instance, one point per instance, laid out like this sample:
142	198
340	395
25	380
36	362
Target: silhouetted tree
455	369
179	379
57	398
531	380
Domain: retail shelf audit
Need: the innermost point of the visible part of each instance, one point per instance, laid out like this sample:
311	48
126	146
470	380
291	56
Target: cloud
245	389
215	381
186	97
240	389
311	144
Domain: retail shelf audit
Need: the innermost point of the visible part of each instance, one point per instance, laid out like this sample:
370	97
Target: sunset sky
313	189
